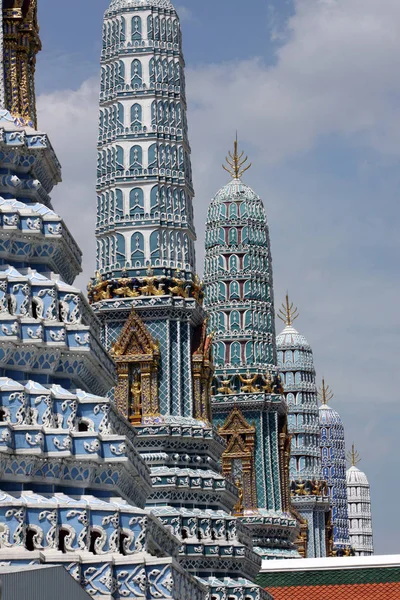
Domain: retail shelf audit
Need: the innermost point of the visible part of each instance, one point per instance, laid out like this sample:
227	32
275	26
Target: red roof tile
365	591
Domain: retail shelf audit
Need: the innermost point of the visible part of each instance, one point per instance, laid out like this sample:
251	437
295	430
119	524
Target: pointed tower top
353	457
325	394
236	163
288	313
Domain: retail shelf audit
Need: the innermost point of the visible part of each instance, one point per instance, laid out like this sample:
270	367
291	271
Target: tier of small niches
125	78
192	446
227	588
32	233
29	158
251	324
211	533
240	212
253	262
230	238
138	161
221	295
114	576
47	326
136	117
44	431
80	524
130	205
159	30
295	360
191	479
132	247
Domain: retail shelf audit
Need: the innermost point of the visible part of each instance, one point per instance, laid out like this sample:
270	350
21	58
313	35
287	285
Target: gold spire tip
236	163
353	457
288	313
325	394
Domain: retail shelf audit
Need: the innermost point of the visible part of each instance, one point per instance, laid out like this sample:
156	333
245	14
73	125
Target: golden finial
236	162
353	457
325	393
288	313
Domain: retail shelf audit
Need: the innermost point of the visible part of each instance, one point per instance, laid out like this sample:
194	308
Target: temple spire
353	457
236	163
325	394
288	313
22	43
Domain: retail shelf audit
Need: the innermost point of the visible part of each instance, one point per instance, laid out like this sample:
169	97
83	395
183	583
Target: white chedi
359	509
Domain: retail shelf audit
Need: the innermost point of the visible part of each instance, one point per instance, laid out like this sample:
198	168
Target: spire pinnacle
21	38
325	394
353	457
288	313
236	163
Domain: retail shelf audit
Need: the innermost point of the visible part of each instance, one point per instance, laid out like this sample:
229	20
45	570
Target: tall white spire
359	505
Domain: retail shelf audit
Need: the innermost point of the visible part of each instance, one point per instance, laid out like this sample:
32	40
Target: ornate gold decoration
236	162
149	288
248	386
329	534
302	538
269	383
21	45
325	394
238	508
240	437
136	391
319	488
137	358
130	287
301	489
125	291
285	441
288	313
203	371
225	385
180	287
197	289
353	457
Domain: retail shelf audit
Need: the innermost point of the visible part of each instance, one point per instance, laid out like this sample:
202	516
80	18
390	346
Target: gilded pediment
135	341
236	423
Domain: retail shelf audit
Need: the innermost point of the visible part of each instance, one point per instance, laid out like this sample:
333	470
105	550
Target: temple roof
354	475
328	416
235	188
290	338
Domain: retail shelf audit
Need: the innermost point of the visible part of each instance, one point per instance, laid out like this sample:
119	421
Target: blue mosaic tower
145	232
149	300
333	452
144	177
308	490
248	404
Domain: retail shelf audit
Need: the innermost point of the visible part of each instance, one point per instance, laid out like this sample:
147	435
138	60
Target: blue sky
313	88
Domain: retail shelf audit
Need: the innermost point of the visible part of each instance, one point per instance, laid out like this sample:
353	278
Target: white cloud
336	73
70	117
